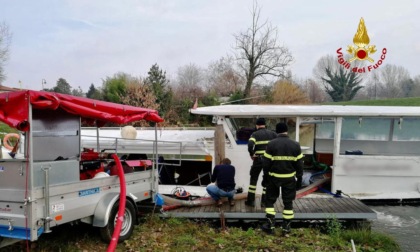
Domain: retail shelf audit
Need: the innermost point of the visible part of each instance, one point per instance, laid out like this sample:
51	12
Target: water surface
402	223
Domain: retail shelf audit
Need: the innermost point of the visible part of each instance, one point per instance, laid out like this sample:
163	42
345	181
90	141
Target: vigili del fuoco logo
361	50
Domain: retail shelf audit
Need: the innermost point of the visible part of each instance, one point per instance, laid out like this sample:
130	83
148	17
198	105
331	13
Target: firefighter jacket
283	158
259	140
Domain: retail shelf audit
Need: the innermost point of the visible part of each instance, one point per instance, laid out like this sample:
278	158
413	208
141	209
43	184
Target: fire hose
116	234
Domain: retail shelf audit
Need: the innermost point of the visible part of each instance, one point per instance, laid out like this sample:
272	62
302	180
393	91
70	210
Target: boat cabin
373	151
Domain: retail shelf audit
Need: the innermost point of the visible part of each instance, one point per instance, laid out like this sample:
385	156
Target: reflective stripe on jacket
283	157
259	140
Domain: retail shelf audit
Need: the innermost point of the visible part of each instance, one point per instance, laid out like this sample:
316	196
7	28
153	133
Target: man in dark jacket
224	177
283	159
256	148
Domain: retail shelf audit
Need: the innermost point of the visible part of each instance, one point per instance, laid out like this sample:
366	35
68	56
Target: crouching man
224	178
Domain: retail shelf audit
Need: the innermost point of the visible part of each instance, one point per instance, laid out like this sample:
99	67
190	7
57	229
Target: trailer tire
127	225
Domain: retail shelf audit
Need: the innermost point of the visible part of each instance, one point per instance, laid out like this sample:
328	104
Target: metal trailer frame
43	190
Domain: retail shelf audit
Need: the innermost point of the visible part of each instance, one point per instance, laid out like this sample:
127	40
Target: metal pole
155	163
336	150
42	83
48	219
297	137
97	137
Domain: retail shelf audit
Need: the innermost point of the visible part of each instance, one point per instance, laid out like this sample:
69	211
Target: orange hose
6	140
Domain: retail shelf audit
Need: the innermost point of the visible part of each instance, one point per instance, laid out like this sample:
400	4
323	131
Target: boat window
244	127
325	130
355	128
406	129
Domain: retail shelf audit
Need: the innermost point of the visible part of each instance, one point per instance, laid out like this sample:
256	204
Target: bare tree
190	81
330	62
5	39
373	86
313	90
392	82
325	62
258	51
222	77
416	90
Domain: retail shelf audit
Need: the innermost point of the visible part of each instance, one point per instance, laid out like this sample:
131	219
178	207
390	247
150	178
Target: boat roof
307	110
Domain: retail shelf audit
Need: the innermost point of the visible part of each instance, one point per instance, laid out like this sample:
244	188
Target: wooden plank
305	208
278	205
297	206
237	206
363	206
345	203
317	206
349	204
249	209
332	206
308	205
181	209
243	207
303	205
205	208
326	206
339	206
257	204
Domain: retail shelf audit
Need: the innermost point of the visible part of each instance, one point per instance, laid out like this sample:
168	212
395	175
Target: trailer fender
104	206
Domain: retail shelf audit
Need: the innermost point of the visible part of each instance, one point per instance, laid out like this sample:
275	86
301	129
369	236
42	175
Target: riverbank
174	234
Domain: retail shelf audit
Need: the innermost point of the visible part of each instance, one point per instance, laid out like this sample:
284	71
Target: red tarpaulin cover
14	108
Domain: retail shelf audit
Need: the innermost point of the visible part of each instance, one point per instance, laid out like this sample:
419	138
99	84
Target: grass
4	129
175	234
412	101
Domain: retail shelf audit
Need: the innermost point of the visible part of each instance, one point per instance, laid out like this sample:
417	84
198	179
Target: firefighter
256	148
283	159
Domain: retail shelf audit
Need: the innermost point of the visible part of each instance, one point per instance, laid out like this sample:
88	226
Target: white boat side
388	168
173	141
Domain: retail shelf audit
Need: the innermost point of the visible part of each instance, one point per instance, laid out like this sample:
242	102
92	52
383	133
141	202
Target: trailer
47	179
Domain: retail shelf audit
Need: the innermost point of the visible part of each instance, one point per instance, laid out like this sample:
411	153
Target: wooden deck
304	208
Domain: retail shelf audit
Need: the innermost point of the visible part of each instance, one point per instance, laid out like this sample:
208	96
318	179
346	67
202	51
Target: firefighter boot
285	227
263	200
250	201
268	227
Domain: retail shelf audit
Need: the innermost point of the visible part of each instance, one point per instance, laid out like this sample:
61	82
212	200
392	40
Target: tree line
257	72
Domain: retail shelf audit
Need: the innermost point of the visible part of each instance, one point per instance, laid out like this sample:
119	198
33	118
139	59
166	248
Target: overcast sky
84	41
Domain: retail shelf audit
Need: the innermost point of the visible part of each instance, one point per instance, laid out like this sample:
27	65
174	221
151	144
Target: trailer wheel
127	225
